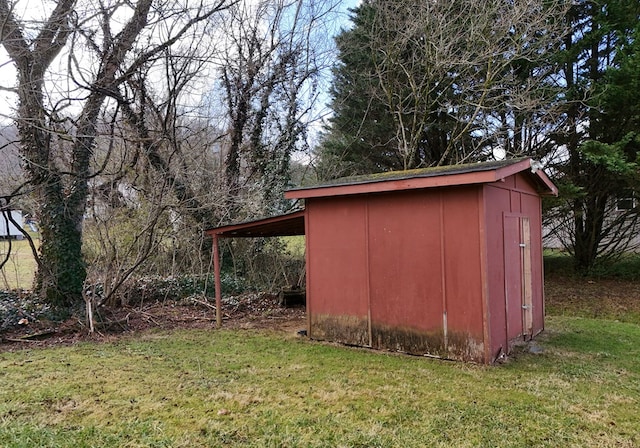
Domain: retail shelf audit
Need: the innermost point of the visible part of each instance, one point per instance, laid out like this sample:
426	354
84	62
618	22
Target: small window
626	201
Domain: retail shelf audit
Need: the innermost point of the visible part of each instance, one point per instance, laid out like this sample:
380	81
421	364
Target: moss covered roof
415	173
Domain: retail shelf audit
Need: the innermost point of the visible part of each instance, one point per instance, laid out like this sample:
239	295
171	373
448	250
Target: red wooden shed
443	262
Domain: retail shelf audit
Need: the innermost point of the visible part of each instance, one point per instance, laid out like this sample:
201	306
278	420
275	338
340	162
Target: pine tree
600	129
438	83
359	139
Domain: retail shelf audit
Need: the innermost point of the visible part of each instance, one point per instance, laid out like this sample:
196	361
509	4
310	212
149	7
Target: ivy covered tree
73	60
273	57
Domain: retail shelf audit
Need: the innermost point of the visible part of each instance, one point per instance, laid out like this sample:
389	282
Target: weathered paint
462	271
423	262
345	329
336	260
394	287
433	271
409	340
464	347
393	259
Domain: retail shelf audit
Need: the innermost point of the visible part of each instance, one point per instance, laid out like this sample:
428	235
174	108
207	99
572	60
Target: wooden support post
218	283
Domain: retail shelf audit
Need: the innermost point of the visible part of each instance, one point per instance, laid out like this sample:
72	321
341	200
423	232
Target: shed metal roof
465	174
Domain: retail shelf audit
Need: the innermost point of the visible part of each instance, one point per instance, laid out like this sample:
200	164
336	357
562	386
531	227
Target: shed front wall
398	271
510	206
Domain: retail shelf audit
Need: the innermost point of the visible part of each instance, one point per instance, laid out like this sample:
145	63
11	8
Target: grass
250	388
295	245
20	269
260	389
626	267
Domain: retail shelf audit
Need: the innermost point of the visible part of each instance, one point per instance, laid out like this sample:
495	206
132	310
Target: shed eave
547	188
544	184
427	180
283	225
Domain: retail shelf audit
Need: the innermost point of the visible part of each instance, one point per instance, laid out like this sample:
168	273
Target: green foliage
154	288
16	306
255	389
61	278
360	139
600	131
264	264
612	156
558	263
625	267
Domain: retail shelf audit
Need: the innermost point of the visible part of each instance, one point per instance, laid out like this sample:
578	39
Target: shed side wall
337	270
406	272
410	261
462	273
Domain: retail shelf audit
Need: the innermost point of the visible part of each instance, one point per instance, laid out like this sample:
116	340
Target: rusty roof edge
246	224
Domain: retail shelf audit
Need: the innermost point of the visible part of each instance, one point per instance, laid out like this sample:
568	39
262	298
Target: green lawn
260	389
19	270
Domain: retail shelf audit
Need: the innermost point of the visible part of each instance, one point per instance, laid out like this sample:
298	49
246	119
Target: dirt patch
246	311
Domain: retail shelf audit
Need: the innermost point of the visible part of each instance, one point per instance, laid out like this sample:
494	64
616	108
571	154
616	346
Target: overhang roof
465	174
283	225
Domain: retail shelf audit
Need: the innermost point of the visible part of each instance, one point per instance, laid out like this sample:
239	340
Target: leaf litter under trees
24	324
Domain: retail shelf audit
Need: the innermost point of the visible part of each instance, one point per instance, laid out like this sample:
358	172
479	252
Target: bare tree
459	78
106	45
274	56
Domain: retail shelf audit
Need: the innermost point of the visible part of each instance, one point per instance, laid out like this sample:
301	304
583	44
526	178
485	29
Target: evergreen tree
437	83
360	137
599	134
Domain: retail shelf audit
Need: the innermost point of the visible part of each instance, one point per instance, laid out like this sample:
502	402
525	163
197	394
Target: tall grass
261	389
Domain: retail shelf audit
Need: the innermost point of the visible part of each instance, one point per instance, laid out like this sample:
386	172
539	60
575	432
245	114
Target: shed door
518	286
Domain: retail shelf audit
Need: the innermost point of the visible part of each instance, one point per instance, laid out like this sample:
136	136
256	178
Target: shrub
17	305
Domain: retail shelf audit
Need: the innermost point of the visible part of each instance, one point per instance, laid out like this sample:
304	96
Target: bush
15	306
627	267
174	288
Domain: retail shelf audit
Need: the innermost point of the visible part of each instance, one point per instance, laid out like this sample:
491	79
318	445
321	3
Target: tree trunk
588	230
61	276
61	279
